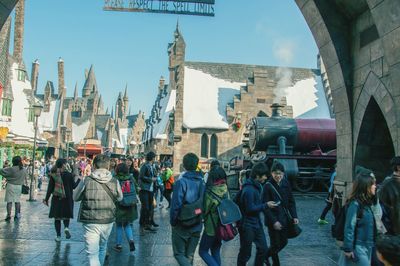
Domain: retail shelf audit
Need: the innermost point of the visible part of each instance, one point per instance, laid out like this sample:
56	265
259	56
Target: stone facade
359	44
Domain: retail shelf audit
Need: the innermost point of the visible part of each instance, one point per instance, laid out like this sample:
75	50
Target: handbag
294	230
25	189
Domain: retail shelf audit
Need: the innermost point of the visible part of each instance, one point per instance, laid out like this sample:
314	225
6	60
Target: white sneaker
58	239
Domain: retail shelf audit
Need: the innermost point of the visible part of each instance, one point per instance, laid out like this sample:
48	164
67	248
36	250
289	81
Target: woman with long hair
16	177
216	190
61	186
113	165
389	196
360	226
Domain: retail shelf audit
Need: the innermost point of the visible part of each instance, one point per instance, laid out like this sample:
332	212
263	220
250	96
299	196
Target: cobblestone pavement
31	241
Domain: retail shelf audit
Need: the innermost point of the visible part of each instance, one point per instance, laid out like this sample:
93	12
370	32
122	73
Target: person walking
16	176
329	200
61	186
168	179
42	175
187	197
99	194
389	196
360	227
146	194
125	215
278	190
250	228
216	191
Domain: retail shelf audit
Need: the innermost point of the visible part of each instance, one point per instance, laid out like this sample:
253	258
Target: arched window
214	146
204	145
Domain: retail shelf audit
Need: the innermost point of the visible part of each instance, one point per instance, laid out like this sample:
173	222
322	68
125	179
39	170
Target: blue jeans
128	232
96	237
210	243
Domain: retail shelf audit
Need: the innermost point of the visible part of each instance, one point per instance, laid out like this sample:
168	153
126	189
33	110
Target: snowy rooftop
167	104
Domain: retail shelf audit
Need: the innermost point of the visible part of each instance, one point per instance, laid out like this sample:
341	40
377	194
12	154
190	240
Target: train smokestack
277	110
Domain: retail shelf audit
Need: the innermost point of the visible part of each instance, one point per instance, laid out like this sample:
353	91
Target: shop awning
90	149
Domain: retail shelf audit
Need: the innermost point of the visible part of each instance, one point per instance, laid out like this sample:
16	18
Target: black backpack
191	214
340	221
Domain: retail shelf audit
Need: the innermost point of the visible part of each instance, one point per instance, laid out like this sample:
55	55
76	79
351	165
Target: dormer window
21	74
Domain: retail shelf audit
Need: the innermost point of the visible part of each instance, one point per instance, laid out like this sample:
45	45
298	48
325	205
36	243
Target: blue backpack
129	193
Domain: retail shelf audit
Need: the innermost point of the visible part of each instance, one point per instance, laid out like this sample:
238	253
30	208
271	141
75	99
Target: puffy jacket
251	204
14	175
97	207
359	233
146	175
211	217
185	191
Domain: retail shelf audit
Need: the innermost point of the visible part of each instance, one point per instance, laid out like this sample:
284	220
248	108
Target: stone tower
126	101
61	82
176	53
35	76
19	30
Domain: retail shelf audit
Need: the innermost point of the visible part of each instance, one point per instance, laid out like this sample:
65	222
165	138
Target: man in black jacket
147	178
251	229
278	190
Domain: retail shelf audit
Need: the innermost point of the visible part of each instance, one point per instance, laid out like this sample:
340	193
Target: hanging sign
181	7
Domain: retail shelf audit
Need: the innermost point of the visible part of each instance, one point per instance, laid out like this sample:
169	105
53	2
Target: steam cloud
284	53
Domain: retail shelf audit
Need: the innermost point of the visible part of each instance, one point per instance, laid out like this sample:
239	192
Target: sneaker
322	222
118	248
67	233
58	239
8	218
154	224
132	246
150	229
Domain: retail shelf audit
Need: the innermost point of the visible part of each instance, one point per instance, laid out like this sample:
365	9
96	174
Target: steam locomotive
306	147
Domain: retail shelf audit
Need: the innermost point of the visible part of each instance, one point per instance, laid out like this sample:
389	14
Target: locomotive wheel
303	184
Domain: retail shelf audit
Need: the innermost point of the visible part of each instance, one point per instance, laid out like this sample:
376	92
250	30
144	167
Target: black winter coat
273	215
251	204
62	208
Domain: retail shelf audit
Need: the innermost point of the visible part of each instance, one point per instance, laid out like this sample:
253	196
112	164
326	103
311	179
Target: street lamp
37	110
67	135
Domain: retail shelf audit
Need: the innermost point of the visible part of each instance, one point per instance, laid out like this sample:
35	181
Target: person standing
125	214
61	186
98	194
389	196
42	175
278	190
187	190
16	176
216	191
168	179
146	194
250	228
360	226
329	200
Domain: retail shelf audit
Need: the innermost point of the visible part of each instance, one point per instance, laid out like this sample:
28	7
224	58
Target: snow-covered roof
205	99
167	104
48	120
79	131
307	97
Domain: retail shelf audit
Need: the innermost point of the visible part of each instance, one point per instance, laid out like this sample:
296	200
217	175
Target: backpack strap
108	191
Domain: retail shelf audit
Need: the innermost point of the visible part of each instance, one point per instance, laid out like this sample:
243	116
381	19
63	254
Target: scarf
59	190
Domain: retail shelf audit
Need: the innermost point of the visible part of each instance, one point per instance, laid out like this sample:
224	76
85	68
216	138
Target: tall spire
126	92
112	112
107	111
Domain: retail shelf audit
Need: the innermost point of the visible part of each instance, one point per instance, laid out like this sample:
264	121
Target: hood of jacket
193	175
252	183
102	175
219	190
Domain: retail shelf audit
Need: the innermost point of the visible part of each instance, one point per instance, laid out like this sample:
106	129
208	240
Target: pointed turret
19	30
126	92
112	112
90	83
107	111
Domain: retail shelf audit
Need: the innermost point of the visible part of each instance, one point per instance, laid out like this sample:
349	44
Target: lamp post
37	110
67	135
84	149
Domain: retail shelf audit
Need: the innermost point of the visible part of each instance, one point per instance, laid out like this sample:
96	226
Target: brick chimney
61	84
35	75
19	30
161	84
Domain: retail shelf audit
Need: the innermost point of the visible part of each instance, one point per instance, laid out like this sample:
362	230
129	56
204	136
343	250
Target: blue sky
131	48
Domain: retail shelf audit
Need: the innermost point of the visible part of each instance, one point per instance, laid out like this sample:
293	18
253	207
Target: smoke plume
284	53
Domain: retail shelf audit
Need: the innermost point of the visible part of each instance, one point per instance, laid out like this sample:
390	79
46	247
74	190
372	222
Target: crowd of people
110	191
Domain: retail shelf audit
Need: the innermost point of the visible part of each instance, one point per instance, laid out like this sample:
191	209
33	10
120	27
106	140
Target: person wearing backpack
278	190
360	227
168	179
186	211
126	211
216	190
251	229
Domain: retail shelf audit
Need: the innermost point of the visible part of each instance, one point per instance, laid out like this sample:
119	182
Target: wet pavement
31	241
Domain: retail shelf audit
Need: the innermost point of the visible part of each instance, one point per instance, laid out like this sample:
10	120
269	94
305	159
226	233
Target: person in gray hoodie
16	177
98	194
